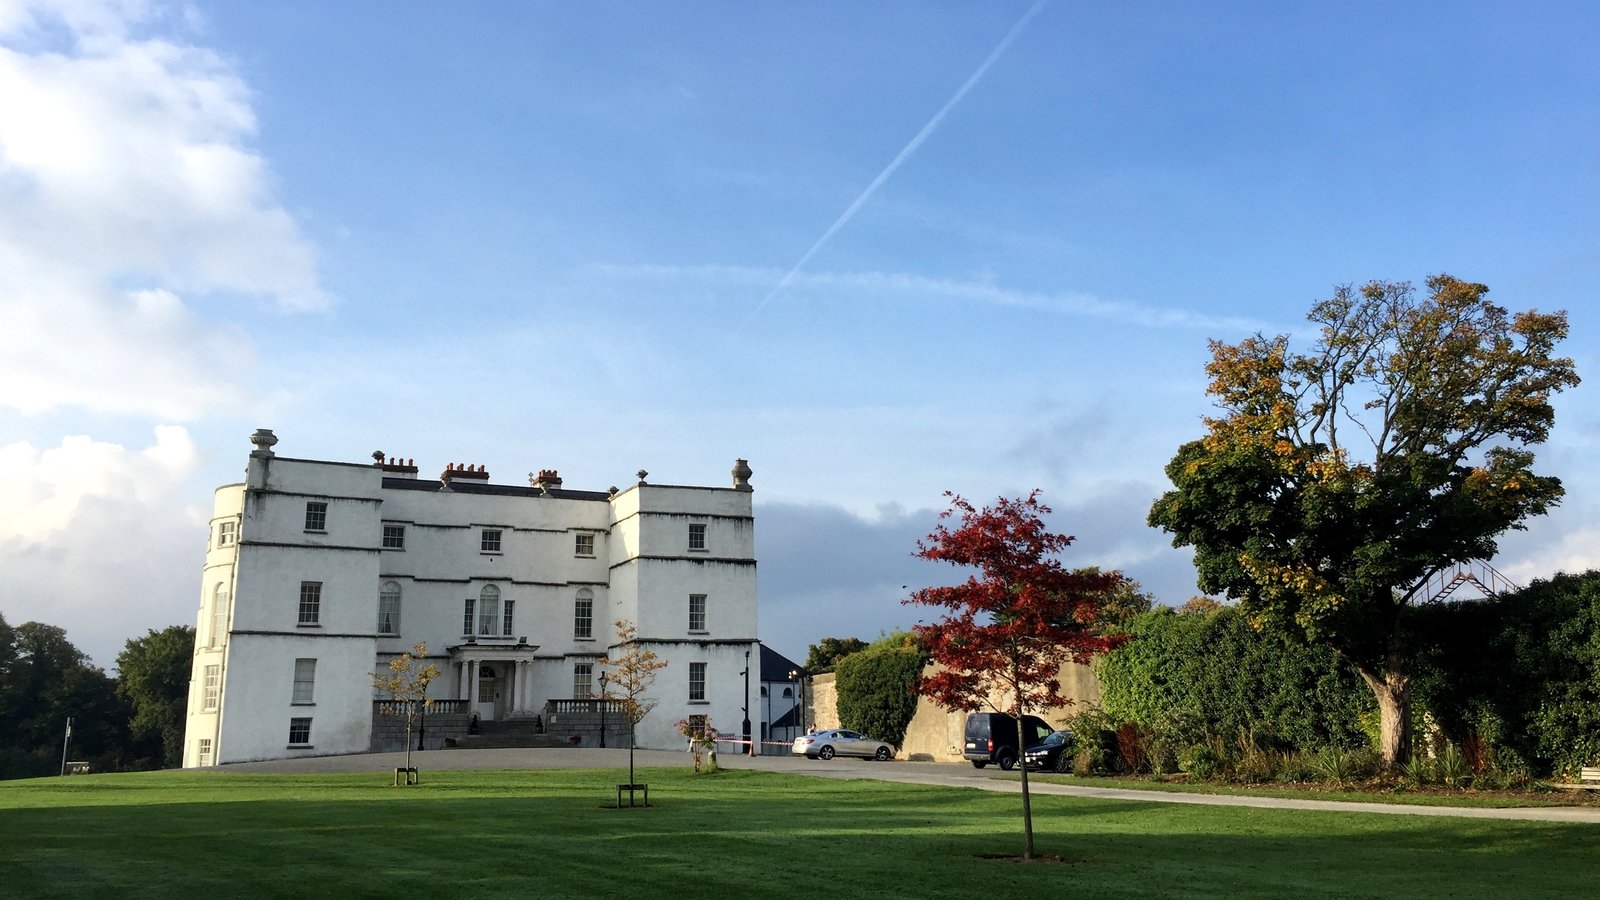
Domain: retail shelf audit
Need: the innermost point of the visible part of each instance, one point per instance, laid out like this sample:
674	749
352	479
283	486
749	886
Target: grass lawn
733	834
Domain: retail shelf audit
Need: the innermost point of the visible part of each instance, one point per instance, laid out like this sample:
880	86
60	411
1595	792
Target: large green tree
822	656
1335	481
153	677
44	679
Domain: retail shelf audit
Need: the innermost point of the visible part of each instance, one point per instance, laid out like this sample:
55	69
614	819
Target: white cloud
127	186
98	538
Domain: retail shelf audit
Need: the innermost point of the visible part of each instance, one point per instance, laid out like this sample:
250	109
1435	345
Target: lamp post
602	709
64	742
794	707
749	748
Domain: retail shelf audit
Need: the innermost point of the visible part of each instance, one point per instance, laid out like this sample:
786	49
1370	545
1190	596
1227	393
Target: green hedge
1210	676
877	687
1520	673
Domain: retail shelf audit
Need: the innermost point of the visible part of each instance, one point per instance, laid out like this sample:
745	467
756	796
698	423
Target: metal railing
1477	574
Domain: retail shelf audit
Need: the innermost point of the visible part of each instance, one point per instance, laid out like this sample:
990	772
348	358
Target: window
697	612
203	752
212	688
697	536
219	615
317	516
582	681
394	537
583	615
697	682
310	602
226	531
697	725
305	681
490	542
505	619
466	618
389	608
299	732
489	610
763	690
584	544
788	693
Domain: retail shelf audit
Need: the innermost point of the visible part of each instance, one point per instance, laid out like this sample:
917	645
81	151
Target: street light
749	747
798	677
602	709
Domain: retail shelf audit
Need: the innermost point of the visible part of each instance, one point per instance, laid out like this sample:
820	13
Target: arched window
389	608
788	693
219	614
583	614
763	690
489	610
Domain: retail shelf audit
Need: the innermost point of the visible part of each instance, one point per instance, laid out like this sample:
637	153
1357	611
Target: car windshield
1058	737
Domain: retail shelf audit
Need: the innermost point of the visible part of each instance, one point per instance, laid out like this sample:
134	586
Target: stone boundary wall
936	734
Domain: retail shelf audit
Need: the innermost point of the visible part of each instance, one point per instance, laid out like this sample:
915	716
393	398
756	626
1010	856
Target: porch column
523	667
461	680
472	686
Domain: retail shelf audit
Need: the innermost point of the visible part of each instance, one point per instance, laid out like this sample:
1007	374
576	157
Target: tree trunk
1392	688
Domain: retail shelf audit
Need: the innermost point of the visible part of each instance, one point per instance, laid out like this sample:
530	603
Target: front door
488	692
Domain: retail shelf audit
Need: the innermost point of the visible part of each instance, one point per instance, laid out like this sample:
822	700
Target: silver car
840	742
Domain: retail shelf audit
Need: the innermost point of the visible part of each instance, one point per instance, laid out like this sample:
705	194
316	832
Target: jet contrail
902	156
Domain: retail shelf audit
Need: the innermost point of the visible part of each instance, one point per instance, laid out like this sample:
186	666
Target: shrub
877	687
1452	767
1131	748
1297	766
1211	674
1201	761
1335	765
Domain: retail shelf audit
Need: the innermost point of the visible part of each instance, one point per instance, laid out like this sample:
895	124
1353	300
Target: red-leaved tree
1008	629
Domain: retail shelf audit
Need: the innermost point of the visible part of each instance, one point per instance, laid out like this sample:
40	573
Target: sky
882	251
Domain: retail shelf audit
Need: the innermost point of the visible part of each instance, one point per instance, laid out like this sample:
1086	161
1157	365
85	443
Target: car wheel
1007	761
1063	765
882	754
825	753
979	763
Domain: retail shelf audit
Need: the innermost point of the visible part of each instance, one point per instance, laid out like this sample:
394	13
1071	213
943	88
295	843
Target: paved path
942	774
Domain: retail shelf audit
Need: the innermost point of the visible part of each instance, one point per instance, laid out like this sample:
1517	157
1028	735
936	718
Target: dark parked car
1053	753
992	738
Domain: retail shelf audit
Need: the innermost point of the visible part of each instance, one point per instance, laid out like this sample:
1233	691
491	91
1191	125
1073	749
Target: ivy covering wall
877	687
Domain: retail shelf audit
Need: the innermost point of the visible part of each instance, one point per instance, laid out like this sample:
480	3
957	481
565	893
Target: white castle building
318	573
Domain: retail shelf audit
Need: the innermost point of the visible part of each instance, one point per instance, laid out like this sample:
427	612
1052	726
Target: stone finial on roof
264	440
741	475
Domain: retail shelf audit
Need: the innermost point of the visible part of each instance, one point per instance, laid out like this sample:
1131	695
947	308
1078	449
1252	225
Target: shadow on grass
747	834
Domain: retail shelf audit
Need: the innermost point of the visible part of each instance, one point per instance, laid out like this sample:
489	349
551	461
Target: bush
1210	675
877	687
1201	761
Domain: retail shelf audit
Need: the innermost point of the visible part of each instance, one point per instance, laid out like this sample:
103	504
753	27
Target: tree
825	654
877	687
153	677
1009	629
1335	482
1122	604
626	676
407	685
45	681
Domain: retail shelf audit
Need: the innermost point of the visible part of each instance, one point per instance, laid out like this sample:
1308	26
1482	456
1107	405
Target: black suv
992	738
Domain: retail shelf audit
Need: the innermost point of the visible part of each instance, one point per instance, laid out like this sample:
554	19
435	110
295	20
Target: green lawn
735	834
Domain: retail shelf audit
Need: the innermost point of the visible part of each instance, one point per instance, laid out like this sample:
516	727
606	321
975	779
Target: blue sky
552	236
